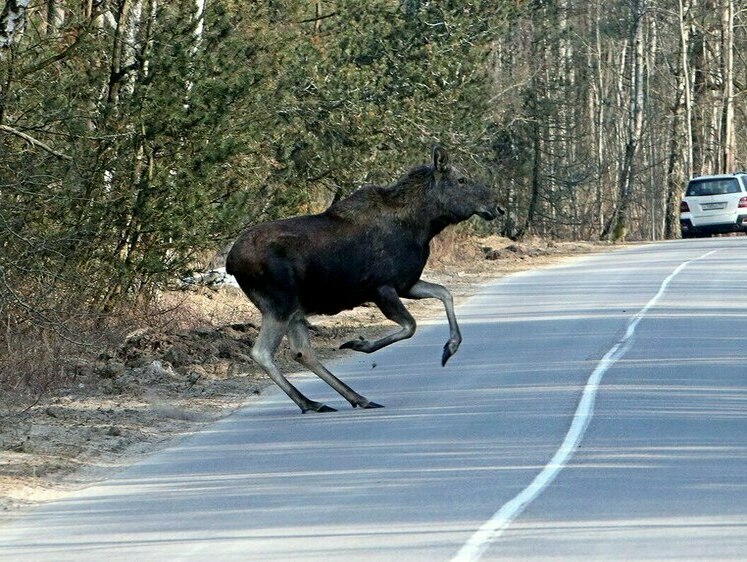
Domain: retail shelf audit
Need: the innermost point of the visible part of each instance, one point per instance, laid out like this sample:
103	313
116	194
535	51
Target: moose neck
408	204
416	207
438	224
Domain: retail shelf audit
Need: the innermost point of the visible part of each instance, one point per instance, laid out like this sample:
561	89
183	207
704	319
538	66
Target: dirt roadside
162	385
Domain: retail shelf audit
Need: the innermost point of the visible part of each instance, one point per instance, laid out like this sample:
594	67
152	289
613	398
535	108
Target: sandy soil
161	385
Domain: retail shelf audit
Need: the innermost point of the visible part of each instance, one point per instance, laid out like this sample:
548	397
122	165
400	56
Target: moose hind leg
389	303
270	335
298	336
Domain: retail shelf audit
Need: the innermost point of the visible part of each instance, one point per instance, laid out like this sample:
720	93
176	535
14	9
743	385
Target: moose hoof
357	345
364	404
319	408
445	357
450	349
372	405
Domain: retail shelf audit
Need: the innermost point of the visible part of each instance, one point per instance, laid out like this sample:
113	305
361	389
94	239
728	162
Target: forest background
138	137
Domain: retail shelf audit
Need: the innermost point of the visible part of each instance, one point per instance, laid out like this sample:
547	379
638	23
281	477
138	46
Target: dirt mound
513	251
202	351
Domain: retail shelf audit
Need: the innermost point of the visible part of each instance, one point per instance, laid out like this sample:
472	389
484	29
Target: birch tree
12	22
619	222
728	137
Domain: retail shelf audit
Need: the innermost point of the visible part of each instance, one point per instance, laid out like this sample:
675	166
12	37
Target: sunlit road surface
660	471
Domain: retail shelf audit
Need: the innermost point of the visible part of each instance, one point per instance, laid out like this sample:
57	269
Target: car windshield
713	187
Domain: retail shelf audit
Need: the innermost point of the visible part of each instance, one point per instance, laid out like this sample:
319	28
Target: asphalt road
596	410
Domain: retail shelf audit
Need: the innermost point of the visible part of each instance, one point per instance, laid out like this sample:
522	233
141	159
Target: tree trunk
685	8
536	181
679	157
116	73
699	97
618	229
53	19
12	22
599	120
728	138
674	177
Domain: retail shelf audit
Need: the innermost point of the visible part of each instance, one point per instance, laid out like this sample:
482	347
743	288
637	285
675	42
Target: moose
370	247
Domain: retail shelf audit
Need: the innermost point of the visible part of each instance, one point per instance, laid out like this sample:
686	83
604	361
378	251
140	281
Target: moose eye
461	180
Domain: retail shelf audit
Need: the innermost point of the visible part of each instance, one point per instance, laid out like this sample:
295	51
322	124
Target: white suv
714	204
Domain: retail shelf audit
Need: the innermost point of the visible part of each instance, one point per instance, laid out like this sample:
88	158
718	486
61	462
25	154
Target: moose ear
440	160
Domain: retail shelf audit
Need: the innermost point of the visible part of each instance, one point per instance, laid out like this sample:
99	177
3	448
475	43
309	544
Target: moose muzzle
489	214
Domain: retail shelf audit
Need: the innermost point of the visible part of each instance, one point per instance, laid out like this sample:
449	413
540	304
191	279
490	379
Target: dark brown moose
370	247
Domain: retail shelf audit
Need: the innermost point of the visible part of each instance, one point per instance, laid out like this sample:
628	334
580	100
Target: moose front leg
425	290
389	303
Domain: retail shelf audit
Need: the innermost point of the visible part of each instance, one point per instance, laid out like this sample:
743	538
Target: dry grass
455	247
199	306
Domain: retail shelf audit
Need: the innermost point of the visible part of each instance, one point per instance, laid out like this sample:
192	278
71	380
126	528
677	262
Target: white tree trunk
728	138
12	21
635	122
684	13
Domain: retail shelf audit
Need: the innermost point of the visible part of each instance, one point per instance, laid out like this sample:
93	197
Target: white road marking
492	529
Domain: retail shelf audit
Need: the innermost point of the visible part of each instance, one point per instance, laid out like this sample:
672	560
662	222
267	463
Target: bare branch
318	18
35	142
